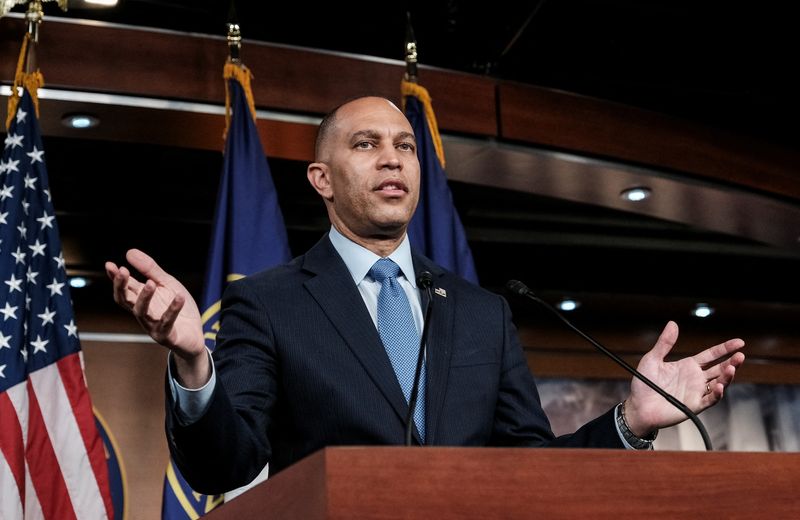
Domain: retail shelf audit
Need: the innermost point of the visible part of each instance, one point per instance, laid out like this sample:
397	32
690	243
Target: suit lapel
440	331
337	295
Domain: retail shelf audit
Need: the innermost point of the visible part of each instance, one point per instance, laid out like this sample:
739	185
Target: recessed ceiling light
568	304
80	121
636	194
702	310
101	3
78	282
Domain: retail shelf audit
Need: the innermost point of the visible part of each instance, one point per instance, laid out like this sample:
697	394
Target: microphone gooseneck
424	280
517	287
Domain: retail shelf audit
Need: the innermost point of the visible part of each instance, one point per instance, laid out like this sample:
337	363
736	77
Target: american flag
52	462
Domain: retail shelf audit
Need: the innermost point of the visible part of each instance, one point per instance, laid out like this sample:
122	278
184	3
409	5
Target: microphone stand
425	280
521	289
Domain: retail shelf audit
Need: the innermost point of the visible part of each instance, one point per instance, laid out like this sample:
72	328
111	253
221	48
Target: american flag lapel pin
441	292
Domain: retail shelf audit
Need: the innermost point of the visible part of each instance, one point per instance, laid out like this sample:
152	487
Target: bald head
328	124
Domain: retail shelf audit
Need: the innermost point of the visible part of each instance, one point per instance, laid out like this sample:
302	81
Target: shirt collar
359	260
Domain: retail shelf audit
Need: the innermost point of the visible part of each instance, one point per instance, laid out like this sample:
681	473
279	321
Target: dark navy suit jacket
300	366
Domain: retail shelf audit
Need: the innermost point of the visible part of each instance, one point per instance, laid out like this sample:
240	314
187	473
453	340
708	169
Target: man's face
373	170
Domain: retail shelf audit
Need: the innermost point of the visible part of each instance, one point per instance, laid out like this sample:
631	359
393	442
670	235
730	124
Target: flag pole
34	17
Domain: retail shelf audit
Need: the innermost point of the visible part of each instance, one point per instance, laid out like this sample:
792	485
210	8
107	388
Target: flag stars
19	256
14	282
55	287
4	341
39	344
3	217
47	192
9	312
5	193
46	220
35	155
14	140
30	182
23	232
11	165
37	248
31	276
3	371
47	316
25	206
60	260
24	353
72	330
21	114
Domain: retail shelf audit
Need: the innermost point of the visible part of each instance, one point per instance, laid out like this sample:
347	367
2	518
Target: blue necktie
399	334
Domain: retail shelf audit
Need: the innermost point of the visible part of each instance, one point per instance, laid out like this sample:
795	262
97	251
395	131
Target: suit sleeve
519	417
227	446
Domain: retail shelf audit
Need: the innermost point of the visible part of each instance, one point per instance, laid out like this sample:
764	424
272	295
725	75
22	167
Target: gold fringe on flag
32	81
242	74
408	88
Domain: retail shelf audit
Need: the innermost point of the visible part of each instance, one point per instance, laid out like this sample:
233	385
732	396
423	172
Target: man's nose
389	158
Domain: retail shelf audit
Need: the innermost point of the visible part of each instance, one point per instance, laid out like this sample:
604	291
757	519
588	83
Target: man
300	361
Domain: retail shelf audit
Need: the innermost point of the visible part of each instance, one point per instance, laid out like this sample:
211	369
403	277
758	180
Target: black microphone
517	287
425	280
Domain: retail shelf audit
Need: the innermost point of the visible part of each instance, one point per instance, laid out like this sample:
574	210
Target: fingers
145	264
111	269
143	301
126	289
665	341
714	354
718	369
158	327
165	324
725	373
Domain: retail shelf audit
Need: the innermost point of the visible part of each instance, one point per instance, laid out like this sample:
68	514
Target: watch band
631	438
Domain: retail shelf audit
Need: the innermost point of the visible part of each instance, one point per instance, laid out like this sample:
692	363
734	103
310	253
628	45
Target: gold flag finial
411	52
234	36
234	43
7	5
25	75
236	70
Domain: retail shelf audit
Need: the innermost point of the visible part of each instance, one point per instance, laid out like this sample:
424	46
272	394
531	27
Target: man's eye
408	147
365	145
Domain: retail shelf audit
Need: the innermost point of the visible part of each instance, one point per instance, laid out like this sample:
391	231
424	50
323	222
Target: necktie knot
384	269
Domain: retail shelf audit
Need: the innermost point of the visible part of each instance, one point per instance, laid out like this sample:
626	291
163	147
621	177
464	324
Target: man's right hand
166	311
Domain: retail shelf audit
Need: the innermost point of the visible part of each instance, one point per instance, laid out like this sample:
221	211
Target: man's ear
319	175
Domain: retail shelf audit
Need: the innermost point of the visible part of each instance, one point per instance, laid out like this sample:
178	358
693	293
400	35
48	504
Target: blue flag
248	236
435	229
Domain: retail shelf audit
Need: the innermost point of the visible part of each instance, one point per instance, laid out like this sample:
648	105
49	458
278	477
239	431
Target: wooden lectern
458	483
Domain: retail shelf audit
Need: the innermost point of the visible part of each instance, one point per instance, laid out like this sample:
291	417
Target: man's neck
381	245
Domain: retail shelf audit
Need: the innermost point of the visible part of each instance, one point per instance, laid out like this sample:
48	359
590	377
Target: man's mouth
392	187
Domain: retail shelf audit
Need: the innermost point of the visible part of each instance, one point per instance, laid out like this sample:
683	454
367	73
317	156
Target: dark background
727	65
